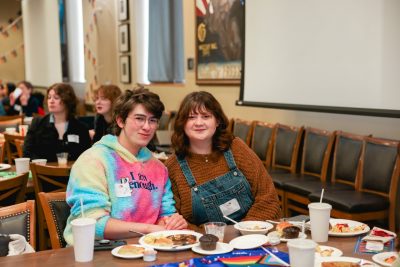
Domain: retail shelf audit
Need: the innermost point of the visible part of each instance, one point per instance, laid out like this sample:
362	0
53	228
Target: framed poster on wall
125	69
123	31
123	9
219	41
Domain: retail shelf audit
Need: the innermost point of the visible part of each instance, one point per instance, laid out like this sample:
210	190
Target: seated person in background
105	98
121	184
22	102
214	174
5	95
59	131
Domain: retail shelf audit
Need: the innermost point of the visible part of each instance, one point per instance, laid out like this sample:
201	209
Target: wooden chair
49	179
12	190
243	129
285	152
262	141
13	148
376	193
10	121
56	212
19	219
314	168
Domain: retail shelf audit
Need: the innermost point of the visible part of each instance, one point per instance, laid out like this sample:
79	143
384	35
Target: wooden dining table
65	256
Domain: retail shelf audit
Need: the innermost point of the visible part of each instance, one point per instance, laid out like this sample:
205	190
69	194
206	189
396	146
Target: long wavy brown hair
200	102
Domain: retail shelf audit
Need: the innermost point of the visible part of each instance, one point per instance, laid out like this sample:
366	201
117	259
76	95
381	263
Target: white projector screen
340	56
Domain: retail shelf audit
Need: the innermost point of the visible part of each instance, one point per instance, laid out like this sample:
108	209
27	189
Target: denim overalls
207	198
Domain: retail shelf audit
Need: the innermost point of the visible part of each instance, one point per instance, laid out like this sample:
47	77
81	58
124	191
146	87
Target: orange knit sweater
266	203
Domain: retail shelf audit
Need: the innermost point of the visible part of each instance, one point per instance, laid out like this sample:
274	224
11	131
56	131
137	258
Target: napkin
380	235
18	245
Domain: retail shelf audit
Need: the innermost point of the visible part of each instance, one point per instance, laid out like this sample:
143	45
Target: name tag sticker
122	190
73	138
230	207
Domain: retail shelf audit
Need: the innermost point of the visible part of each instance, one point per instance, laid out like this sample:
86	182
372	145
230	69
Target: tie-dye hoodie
114	183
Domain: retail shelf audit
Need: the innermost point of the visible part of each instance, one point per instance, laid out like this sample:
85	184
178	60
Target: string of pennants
12	24
13	52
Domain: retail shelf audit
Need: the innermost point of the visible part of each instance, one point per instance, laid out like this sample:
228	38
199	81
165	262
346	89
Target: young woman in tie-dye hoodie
121	184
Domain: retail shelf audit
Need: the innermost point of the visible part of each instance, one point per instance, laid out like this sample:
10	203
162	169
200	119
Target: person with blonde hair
105	98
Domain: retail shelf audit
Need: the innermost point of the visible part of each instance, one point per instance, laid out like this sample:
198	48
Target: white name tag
230	207
17	107
73	138
122	189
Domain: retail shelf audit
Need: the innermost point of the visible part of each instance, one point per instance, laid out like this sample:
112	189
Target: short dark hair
130	99
200	102
27	84
67	95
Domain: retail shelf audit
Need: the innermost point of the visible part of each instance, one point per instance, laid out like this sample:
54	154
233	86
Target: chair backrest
56	212
12	147
19	219
12	190
243	129
10	121
346	157
49	178
166	119
379	169
262	140
316	152
286	147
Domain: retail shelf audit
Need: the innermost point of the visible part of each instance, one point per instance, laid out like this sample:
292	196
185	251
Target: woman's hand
175	222
24	99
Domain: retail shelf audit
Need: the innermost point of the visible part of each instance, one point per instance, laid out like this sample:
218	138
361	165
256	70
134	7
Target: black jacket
101	127
42	140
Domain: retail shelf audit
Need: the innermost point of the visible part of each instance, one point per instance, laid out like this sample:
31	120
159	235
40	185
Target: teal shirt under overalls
208	197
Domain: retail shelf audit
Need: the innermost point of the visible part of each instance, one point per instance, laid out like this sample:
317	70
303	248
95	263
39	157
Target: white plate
115	253
351	224
220	249
380	258
301	236
248	241
247	227
168	233
319	260
4	166
335	253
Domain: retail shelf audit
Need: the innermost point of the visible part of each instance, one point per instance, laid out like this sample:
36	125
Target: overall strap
230	160
187	172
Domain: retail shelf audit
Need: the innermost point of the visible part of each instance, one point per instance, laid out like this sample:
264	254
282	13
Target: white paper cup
22	165
83	230
23	129
39	161
216	228
301	252
62	158
320	214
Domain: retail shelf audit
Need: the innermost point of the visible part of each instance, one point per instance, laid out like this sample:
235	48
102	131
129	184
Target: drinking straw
82	214
322	195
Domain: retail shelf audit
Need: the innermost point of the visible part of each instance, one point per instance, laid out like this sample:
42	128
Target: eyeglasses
140	120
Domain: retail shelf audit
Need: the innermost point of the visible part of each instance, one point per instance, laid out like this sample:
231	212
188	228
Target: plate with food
128	251
287	230
174	240
4	166
326	251
341	227
253	227
220	248
343	262
385	258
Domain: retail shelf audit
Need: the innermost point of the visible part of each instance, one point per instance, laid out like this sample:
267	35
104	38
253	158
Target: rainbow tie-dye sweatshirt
114	183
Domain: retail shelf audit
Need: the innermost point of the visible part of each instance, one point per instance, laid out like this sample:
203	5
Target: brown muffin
290	232
208	242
